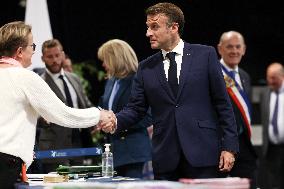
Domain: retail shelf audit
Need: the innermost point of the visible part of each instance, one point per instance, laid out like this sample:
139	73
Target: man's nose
235	49
148	32
57	60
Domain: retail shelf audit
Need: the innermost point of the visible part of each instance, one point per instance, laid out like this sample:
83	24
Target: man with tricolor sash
232	48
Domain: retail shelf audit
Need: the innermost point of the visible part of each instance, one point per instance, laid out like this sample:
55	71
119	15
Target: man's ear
245	48
19	53
175	27
219	48
63	54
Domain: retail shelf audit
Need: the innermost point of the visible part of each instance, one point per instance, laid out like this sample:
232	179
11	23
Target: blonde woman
24	96
131	147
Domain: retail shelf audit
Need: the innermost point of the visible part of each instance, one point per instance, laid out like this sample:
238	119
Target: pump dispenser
107	162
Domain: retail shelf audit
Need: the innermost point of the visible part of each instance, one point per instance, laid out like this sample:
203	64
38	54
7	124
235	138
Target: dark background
83	25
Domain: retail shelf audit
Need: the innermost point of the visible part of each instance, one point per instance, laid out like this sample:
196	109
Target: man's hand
226	162
107	121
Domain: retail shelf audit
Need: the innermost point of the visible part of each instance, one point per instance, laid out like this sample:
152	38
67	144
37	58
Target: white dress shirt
178	58
60	85
280	120
236	70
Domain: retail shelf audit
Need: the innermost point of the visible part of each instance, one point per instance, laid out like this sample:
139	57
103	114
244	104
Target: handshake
107	122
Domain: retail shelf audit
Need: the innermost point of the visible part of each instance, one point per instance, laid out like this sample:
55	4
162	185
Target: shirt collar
178	49
281	90
56	75
228	68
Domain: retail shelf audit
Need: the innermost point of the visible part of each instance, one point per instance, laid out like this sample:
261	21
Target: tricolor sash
239	97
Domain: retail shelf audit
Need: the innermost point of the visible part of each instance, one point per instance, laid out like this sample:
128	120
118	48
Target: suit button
177	106
122	138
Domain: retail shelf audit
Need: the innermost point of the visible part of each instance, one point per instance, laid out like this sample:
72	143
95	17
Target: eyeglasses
33	46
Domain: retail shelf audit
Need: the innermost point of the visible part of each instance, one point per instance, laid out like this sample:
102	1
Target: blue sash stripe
66	153
242	92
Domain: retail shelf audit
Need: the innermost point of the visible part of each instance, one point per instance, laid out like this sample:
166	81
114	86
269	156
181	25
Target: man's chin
54	71
154	46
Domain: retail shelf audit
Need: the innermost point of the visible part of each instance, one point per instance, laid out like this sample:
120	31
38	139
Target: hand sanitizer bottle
107	162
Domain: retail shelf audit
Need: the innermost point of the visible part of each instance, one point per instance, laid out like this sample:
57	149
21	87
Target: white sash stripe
242	102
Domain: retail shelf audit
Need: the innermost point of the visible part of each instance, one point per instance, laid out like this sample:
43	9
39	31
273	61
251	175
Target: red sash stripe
240	107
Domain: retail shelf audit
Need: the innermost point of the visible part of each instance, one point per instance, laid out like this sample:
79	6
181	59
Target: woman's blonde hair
12	36
119	57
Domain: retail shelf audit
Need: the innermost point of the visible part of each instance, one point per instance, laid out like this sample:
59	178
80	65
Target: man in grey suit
68	88
272	103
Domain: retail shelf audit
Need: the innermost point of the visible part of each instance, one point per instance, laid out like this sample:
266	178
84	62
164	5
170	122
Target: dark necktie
233	75
67	92
275	116
172	73
76	137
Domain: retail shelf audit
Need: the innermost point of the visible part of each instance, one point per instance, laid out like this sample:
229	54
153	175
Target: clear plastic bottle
107	162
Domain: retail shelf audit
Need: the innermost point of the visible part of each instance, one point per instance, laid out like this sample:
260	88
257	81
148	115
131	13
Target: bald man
232	48
272	115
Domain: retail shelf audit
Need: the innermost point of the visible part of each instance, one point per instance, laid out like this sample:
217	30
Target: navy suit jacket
131	145
191	122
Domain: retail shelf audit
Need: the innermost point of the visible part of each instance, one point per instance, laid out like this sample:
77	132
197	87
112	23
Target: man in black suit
52	136
232	48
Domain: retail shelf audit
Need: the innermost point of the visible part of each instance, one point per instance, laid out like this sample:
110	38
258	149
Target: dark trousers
246	163
186	170
10	169
133	170
275	165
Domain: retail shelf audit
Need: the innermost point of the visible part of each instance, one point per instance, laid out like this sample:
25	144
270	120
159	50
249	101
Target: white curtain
37	16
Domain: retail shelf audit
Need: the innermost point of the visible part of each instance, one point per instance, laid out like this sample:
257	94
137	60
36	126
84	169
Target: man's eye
155	27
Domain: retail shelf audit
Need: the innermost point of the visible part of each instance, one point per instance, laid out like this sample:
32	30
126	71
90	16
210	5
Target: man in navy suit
195	133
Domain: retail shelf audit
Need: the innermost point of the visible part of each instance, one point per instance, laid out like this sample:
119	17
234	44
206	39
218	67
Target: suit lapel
53	86
267	106
107	92
245	83
123	85
185	66
76	87
160	74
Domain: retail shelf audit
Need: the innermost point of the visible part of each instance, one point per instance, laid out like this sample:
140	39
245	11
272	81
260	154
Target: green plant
92	79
